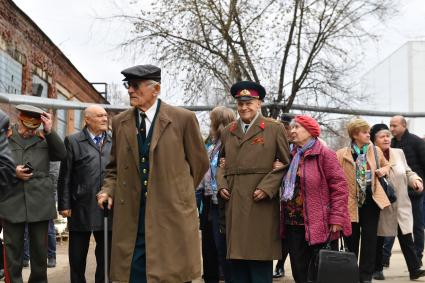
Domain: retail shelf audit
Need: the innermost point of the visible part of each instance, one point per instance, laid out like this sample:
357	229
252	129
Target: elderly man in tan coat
157	160
250	186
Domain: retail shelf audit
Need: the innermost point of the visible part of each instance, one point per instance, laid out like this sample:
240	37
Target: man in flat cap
30	200
157	160
249	185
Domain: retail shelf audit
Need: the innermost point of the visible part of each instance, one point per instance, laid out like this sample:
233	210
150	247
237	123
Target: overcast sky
91	44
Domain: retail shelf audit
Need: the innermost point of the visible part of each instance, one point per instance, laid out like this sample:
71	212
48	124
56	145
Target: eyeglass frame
135	83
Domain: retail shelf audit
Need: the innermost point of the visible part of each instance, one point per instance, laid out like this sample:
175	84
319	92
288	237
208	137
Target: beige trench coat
345	158
400	212
178	161
252	228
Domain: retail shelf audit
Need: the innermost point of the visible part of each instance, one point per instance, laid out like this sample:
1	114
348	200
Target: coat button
145	183
124	183
121	201
146	194
145	171
143	159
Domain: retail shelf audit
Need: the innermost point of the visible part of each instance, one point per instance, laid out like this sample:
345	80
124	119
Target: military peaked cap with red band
247	90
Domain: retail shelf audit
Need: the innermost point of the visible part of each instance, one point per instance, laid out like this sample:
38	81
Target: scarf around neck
361	168
288	182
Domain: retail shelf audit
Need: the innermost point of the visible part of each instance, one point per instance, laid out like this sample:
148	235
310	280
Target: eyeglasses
133	84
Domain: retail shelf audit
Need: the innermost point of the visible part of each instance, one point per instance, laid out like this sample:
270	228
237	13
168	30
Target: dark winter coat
414	150
7	167
32	200
80	179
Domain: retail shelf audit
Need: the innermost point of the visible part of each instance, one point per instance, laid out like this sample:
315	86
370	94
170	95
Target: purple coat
325	194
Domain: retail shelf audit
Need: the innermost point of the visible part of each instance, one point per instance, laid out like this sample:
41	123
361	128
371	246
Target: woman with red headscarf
314	198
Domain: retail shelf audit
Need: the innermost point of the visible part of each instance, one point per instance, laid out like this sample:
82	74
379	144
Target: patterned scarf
210	188
361	169
288	182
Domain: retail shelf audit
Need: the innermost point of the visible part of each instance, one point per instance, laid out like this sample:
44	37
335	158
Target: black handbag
336	266
387	186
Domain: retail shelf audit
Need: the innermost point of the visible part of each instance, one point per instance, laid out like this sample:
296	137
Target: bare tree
301	50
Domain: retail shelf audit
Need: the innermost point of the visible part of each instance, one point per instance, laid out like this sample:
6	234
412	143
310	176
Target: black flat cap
142	72
246	90
375	129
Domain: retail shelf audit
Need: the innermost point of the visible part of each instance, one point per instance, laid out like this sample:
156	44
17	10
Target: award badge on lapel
258	140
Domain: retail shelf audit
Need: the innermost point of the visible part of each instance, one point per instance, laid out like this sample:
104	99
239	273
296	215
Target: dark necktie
246	128
98	141
143	126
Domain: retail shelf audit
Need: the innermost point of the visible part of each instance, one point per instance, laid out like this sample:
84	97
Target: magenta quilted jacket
325	195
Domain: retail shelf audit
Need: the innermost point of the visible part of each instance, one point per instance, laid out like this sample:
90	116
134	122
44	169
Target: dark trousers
79	242
387	247
285	252
138	263
418	224
367	230
14	247
407	248
252	271
1	250
213	245
51	242
418	227
302	254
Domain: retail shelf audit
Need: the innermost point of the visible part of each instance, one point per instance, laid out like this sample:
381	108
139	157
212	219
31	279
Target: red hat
309	123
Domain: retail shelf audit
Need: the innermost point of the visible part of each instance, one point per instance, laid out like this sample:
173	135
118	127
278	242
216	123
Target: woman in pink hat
314	196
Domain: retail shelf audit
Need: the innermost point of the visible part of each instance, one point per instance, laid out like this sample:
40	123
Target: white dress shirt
243	125
150	114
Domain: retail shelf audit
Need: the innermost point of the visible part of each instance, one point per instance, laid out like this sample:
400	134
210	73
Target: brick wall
27	44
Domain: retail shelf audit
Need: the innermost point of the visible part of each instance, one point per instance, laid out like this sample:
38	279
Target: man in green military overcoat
249	185
30	200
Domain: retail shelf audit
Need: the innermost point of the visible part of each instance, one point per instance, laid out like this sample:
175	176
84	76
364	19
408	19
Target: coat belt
244	171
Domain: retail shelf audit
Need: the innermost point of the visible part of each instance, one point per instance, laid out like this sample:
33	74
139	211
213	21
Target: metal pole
105	239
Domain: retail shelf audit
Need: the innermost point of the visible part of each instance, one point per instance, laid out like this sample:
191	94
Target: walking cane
105	238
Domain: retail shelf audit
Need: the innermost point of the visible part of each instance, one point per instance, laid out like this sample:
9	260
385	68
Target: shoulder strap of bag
375	153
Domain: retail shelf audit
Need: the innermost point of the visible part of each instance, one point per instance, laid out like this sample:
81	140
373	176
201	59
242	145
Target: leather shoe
26	263
278	273
378	275
417	273
51	262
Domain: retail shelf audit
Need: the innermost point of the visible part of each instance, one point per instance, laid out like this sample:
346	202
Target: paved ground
396	273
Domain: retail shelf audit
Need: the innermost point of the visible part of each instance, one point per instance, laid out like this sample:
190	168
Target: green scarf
361	168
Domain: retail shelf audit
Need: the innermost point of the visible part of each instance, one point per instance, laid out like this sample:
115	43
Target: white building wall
417	85
398	84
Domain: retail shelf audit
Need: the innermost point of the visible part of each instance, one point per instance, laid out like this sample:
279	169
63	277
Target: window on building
39	86
61	116
78	120
10	74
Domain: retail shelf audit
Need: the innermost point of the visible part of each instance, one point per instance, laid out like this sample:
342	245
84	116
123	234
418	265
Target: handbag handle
340	239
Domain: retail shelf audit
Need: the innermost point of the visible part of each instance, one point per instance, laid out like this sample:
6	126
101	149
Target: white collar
150	113
243	124
92	136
